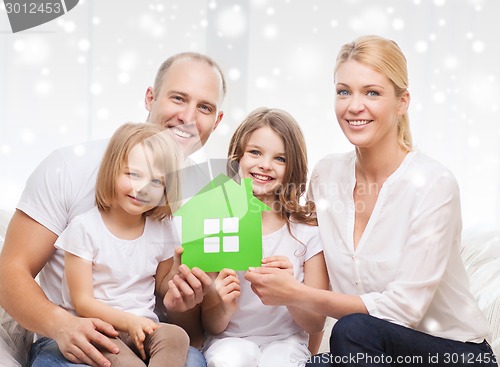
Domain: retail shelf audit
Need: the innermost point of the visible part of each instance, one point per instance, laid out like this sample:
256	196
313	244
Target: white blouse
407	267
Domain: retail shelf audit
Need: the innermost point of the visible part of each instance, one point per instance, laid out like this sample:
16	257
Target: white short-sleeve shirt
263	324
123	271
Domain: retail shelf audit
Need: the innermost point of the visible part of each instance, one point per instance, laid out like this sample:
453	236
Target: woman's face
366	105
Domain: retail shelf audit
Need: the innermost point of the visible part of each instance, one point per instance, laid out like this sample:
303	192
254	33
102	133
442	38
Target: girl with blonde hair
117	255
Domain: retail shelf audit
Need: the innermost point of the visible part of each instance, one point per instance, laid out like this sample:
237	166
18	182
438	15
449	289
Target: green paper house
221	226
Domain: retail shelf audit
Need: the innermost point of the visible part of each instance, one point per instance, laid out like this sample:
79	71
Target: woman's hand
279	262
274	286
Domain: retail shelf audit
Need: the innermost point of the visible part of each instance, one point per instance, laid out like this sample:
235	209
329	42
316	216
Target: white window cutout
230	225
211	245
231	244
212	226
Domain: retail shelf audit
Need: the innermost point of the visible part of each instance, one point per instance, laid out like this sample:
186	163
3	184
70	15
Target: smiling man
186	98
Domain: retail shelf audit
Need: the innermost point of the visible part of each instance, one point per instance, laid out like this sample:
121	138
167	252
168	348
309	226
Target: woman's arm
276	287
316	276
221	302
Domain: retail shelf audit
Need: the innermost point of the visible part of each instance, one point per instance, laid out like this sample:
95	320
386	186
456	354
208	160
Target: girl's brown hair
385	57
167	158
295	178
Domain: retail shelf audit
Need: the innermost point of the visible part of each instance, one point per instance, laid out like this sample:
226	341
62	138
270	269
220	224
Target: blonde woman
390	221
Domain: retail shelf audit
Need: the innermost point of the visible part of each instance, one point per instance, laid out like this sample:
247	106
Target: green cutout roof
222	226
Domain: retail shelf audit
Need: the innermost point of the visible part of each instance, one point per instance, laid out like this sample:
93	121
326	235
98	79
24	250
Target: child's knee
231	360
173	334
233	352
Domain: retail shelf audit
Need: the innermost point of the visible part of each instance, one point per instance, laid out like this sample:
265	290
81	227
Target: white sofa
481	255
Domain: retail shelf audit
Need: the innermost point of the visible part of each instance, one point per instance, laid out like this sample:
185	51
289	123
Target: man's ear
219	118
149	98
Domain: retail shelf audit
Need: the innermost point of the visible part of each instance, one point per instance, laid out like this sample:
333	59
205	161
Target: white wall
81	75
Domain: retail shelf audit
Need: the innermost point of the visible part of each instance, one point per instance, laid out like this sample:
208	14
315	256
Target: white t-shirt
123	271
407	266
60	188
63	186
263	324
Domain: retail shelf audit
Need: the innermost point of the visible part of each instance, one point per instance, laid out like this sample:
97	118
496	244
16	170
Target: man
186	98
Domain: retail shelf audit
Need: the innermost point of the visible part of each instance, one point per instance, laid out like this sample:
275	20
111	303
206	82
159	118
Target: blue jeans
364	340
45	353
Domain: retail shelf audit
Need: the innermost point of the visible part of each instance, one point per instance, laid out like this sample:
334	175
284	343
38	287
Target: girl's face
366	105
140	186
264	162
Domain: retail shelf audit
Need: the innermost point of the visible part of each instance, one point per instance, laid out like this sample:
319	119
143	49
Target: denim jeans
45	353
364	340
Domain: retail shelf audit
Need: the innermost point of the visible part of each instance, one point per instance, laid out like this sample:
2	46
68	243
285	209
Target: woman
390	222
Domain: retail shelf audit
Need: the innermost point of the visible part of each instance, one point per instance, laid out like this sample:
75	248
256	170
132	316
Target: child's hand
138	327
279	262
227	286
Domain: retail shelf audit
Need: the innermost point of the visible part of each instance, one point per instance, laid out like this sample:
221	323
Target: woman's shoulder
337	163
424	173
430	167
336	158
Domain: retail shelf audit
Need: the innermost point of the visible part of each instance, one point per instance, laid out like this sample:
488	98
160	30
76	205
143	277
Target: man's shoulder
82	151
80	160
62	185
196	175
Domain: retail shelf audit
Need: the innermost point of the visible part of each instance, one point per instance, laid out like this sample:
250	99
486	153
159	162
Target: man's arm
27	248
182	291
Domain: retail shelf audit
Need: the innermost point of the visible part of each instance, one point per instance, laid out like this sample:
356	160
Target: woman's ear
404	103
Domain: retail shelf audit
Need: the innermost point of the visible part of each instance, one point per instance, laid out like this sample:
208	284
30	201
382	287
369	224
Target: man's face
188	103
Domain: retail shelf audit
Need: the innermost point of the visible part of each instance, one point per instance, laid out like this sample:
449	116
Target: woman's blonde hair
384	56
166	158
294	181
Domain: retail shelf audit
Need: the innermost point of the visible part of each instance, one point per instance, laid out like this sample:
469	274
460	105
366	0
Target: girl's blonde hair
166	157
385	57
295	178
